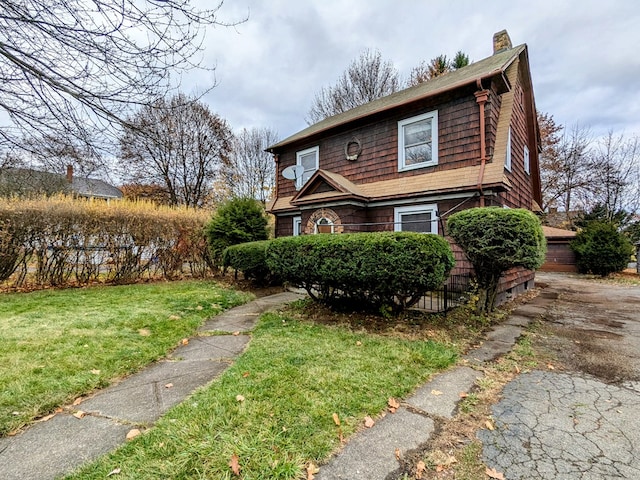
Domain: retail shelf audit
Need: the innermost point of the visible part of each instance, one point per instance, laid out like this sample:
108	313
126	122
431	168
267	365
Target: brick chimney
70	173
501	41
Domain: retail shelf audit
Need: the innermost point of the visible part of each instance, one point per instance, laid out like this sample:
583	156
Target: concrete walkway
372	454
100	423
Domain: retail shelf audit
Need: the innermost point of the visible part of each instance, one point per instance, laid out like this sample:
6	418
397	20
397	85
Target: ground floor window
416	218
297	226
324	225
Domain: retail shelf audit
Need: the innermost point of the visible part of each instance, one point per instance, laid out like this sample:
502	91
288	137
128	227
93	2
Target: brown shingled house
409	160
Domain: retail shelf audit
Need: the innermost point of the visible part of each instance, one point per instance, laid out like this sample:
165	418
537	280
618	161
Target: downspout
482	96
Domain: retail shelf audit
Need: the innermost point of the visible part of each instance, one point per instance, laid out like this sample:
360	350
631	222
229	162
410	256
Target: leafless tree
179	144
616	162
76	67
567	169
367	78
250	171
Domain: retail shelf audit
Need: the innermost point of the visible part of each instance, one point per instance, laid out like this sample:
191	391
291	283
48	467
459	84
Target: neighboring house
25	181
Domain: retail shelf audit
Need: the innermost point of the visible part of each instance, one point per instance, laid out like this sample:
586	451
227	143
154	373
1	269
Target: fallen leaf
421	467
168	385
95	372
393	404
493	473
16	413
47	418
489	425
245	374
79	414
174	317
234	464
359	343
398	454
239	398
115	471
464	394
311	471
550	367
436	392
517	369
199	307
440	468
185	341
77	401
368	422
133	433
336	419
144	332
235	334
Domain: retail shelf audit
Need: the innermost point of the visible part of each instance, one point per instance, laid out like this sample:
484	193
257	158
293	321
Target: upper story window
507	157
309	160
418	141
416	218
527	163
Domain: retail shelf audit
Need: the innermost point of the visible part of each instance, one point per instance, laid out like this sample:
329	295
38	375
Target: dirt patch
608	323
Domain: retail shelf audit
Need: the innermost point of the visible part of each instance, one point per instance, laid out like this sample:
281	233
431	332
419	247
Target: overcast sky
584	54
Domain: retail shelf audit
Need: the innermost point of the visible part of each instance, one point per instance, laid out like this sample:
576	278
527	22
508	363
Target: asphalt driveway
581	420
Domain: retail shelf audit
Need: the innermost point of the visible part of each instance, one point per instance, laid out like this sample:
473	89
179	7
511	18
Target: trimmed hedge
601	249
494	240
250	259
66	241
386	269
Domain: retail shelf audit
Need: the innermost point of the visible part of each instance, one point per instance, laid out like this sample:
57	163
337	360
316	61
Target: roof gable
325	185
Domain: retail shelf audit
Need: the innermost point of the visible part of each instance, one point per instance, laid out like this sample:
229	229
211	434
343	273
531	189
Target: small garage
560	257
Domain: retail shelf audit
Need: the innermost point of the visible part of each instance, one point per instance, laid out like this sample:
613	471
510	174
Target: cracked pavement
583	423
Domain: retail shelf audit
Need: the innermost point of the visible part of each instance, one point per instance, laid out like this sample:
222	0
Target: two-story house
409	160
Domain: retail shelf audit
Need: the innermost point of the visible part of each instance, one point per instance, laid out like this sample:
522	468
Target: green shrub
238	220
250	259
388	269
601	249
494	240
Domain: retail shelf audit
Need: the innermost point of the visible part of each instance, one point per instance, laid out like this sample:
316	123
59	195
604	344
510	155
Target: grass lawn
60	344
274	407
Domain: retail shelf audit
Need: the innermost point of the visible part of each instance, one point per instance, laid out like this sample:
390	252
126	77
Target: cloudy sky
584	53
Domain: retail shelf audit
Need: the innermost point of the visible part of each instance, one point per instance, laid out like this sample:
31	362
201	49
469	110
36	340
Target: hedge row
62	240
386	269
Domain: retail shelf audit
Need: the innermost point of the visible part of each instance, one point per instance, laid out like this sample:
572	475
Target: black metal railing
453	293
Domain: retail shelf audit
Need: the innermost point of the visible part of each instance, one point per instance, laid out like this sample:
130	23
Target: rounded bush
250	259
600	249
393	269
496	239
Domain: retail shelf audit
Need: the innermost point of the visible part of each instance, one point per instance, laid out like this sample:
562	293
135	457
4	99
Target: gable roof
490	67
91	187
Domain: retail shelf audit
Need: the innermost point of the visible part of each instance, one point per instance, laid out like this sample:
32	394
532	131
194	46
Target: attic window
418	141
309	160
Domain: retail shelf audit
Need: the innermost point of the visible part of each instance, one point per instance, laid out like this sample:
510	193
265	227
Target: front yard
60	344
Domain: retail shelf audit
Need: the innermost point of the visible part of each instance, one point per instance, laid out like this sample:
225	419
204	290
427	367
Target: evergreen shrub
601	249
381	270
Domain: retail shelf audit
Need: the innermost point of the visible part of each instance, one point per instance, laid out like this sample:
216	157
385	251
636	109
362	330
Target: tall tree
567	169
250	171
77	67
616	161
438	66
367	78
179	144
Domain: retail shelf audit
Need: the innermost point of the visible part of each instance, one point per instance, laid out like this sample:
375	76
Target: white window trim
527	160
297	221
425	208
302	153
434	141
507	157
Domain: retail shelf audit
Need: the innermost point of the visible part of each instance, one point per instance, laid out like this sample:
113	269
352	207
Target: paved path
49	449
573	426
